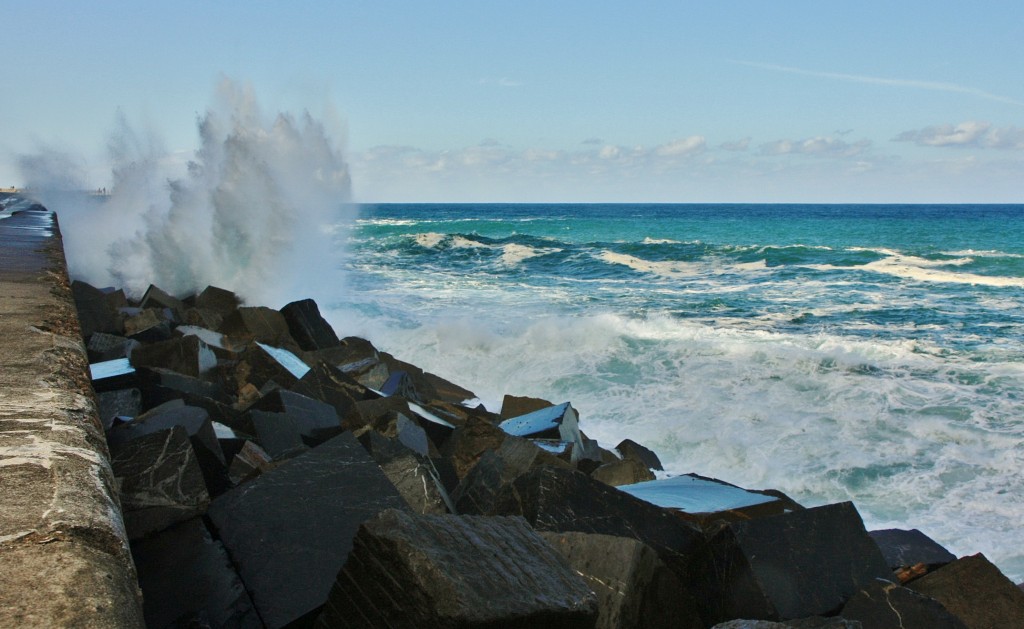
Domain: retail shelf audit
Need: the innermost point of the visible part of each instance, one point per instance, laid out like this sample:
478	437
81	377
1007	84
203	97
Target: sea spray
258	211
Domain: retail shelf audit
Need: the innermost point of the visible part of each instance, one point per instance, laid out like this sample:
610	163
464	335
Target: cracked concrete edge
64	555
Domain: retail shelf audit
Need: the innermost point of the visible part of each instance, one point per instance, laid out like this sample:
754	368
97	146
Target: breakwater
64	557
273	474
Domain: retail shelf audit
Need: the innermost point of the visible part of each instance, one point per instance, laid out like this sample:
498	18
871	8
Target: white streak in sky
874	80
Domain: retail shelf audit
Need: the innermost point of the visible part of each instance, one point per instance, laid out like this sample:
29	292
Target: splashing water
258	211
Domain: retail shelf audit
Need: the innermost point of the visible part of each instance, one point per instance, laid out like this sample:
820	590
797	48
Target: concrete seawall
64	557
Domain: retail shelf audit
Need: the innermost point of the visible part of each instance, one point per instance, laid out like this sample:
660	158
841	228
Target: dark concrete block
515	406
249	462
630	449
118	403
468	443
495	471
560	500
103	346
186	355
299	422
154	297
260	365
593	456
160	481
903	548
314	420
196	422
623	472
145	326
159	385
290	529
413	475
634	587
329	384
399	383
265	325
381	413
218	300
94	311
111	375
976	592
451	571
309	329
187	580
881	605
277	433
799	564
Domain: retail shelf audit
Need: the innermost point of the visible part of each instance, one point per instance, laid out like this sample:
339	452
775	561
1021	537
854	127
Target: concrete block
623	472
634	587
160	481
187	580
290	529
309	329
448	571
882	604
630	449
795	565
903	548
976	592
186	355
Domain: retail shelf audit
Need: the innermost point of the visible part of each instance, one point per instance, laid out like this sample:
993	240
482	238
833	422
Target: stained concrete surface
64	558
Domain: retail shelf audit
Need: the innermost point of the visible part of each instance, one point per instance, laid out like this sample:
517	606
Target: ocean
872	353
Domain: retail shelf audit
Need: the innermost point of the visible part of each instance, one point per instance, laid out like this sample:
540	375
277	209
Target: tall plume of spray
258	212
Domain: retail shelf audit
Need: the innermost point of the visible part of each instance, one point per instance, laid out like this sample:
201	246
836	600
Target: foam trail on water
257	211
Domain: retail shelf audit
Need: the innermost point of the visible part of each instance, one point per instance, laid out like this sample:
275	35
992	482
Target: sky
568	101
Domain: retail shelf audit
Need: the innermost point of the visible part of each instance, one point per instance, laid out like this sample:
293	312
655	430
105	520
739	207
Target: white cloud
817	146
738	145
682	146
820	168
970	134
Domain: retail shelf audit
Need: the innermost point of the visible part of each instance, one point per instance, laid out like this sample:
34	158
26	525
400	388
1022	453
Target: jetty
194	461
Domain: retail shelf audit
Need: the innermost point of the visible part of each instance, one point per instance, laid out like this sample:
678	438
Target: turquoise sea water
835	352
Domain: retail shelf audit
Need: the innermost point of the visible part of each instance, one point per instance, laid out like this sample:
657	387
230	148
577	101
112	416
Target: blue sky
751	101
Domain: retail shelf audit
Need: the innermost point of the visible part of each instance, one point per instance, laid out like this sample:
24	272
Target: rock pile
272	474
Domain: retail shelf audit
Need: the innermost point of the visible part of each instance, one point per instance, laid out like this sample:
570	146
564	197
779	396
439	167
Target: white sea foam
989	253
461	242
430	240
388	222
898	426
922	270
513	254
